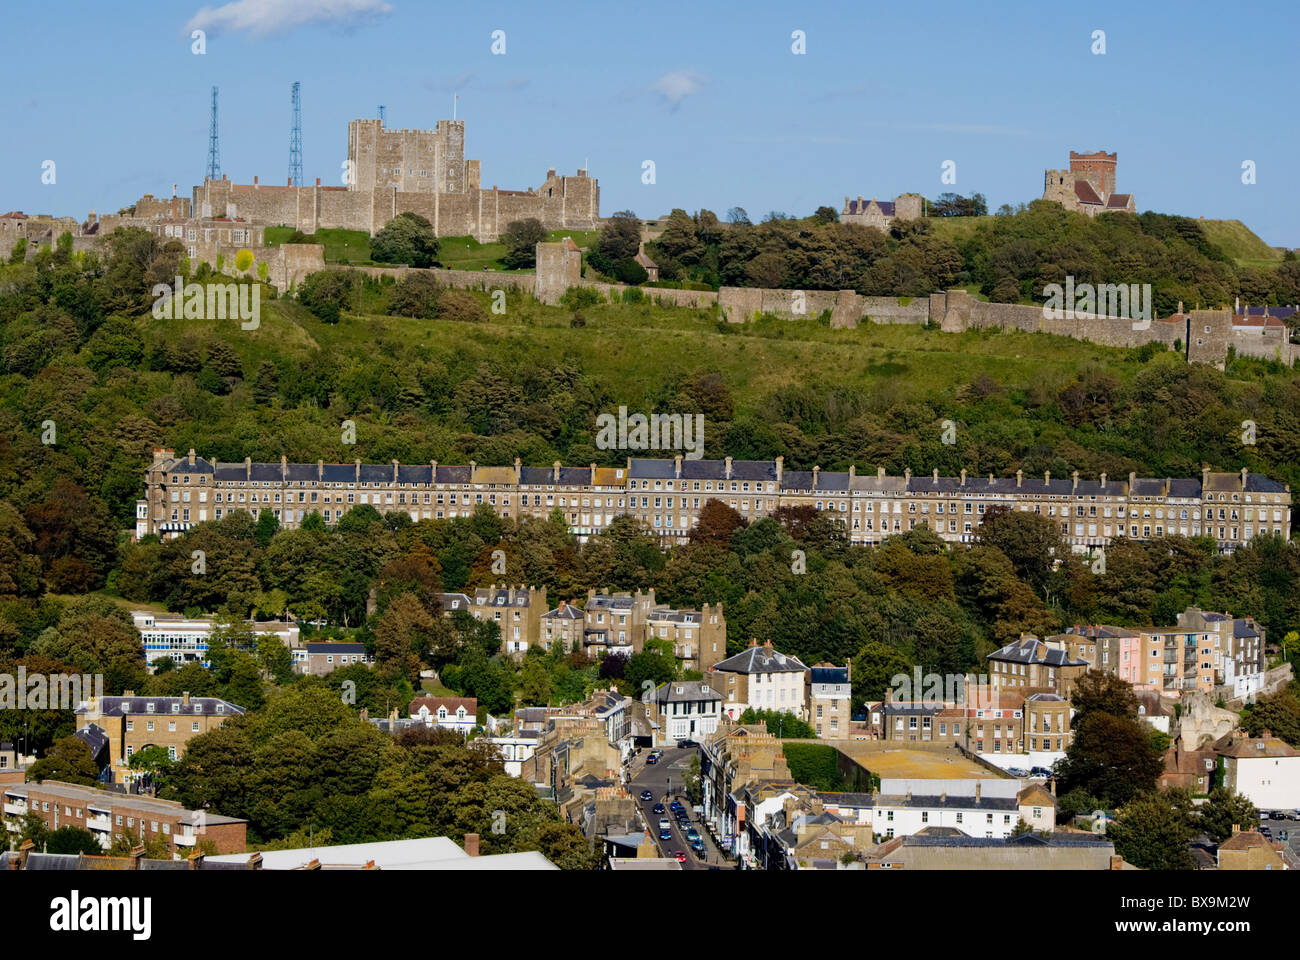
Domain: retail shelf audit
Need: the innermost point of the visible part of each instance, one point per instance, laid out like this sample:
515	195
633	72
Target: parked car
684	744
1017	771
692	834
697	845
1040	772
647	795
678	805
651	759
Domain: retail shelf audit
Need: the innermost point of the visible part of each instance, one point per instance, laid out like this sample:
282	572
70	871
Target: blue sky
711	92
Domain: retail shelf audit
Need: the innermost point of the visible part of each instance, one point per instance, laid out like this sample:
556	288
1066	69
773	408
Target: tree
407	238
647	667
716	523
1225	811
73	840
404	632
826	215
521	238
1103	692
1152	831
1110	757
1030	541
68	760
620	237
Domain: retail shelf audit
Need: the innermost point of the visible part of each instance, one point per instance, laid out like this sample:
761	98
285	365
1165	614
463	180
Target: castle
406	171
1088	187
881	213
666	496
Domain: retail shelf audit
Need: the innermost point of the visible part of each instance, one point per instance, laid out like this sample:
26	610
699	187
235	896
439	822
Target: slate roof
758	659
162	706
829	674
324	647
1027	650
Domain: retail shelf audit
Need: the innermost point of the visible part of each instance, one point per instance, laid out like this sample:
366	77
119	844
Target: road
666	780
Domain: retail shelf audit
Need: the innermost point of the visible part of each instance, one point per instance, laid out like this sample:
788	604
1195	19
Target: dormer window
148	707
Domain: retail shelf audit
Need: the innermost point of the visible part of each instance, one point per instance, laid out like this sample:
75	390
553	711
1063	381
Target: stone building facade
666	496
409	171
881	213
132	723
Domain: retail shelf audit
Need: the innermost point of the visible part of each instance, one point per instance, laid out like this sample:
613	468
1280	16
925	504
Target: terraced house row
667	495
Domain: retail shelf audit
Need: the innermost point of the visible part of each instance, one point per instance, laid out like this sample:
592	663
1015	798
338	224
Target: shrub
415	295
327	293
633	295
263	271
575	298
578	321
462	306
243	260
630	272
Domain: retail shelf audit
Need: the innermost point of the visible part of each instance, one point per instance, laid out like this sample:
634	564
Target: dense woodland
1009	258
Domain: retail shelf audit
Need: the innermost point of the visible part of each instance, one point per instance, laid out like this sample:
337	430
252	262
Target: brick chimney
137	854
471	844
1116	862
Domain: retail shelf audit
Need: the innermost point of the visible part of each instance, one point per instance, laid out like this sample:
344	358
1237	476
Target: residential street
665	780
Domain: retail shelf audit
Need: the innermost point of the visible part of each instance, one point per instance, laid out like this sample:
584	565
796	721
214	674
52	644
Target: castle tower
1098	168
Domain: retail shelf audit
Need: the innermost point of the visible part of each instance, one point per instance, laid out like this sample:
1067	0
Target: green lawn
341	246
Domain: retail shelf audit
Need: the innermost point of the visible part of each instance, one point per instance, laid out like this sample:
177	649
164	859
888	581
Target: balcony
184	840
99	823
15	809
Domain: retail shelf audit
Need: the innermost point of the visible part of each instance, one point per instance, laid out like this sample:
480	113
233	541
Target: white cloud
264	17
676	86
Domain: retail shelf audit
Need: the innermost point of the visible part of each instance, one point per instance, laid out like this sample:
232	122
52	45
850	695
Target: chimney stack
471	844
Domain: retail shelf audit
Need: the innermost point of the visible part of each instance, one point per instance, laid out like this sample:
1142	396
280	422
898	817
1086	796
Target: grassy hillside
1238	241
896	362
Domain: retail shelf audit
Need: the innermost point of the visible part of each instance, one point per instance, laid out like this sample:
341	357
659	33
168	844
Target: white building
454	713
685	710
1263	769
761	678
976	807
185	639
515	751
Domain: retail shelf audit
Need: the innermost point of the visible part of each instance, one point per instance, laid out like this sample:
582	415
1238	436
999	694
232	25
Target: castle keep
407	171
666	496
